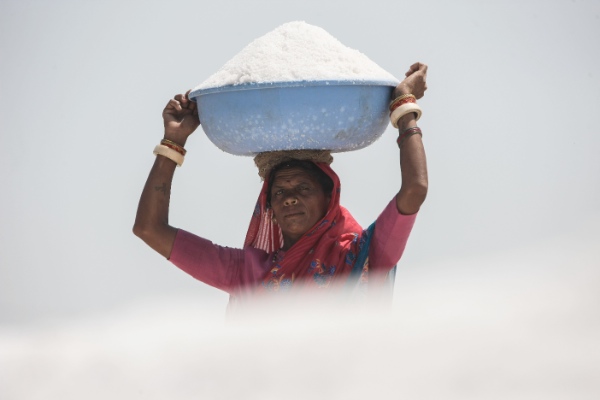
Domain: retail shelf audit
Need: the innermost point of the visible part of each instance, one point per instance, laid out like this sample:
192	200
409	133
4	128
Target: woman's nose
290	201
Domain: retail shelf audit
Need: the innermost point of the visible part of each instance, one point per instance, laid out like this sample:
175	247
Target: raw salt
297	51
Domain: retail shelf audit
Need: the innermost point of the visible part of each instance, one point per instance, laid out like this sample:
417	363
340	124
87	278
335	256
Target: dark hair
309	167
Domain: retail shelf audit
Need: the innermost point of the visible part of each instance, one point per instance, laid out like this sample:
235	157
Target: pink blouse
232	269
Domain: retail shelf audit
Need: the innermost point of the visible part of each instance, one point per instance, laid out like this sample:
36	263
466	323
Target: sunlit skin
298	203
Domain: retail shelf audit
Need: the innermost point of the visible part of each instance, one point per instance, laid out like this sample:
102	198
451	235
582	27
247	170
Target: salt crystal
297	51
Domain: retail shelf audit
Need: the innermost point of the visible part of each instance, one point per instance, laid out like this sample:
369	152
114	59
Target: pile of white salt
297	51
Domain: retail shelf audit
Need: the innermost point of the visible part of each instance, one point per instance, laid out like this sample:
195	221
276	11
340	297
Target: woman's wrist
400	90
171	147
173	137
401	106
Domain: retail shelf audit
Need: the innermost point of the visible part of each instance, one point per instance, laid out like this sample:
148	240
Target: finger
185	101
413	68
182	100
418	66
422	69
174	104
191	102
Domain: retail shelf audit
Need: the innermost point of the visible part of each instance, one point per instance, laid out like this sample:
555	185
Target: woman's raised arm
413	163
180	118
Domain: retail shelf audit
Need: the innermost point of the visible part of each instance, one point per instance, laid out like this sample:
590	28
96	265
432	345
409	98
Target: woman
300	239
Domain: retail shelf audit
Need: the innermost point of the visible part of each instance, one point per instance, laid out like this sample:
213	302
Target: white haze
457	335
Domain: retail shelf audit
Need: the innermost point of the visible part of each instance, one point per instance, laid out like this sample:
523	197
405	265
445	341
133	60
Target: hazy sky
510	127
508	235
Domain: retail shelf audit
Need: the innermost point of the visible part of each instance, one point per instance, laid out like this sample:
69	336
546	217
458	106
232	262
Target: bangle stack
403	105
405	98
174	146
415	130
171	150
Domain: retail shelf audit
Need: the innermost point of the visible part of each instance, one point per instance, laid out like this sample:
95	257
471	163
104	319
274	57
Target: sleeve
391	233
212	264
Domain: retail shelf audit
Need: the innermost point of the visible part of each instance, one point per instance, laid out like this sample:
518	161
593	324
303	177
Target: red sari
323	257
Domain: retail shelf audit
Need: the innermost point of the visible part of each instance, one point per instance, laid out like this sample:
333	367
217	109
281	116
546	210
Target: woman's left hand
415	82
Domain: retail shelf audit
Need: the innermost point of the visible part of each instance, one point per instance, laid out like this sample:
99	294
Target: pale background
497	293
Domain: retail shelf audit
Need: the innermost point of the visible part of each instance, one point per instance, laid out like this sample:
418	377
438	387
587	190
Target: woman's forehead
292	175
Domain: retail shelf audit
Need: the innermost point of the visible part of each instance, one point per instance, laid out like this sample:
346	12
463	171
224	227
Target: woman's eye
279	193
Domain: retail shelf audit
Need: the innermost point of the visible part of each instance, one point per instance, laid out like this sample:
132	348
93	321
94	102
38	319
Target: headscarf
322	257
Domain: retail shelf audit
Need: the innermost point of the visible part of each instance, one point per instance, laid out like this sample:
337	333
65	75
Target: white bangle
402	111
169	153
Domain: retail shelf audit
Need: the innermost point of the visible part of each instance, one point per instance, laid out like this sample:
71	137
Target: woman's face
298	203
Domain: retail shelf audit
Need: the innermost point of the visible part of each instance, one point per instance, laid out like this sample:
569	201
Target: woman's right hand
180	118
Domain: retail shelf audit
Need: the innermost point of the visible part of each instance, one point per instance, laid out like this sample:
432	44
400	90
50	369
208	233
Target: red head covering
326	253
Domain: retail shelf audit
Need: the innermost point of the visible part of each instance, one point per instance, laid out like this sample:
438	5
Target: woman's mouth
294	214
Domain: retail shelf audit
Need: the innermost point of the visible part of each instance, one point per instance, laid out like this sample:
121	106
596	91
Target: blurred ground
455	335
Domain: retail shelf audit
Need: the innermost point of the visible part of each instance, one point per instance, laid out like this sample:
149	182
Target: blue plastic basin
336	115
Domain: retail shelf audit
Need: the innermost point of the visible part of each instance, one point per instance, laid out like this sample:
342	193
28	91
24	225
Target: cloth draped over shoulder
333	253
